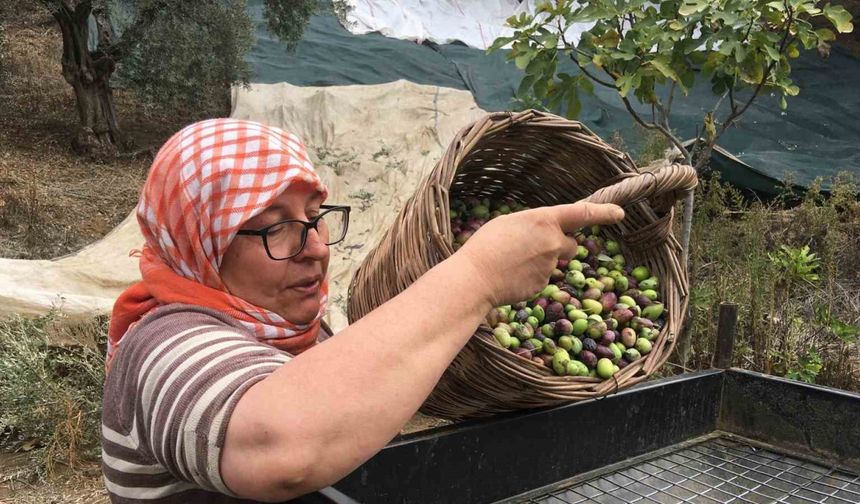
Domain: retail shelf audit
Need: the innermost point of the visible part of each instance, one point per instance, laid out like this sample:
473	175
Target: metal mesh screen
715	471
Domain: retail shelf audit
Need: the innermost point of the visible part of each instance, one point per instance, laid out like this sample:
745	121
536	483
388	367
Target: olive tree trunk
89	75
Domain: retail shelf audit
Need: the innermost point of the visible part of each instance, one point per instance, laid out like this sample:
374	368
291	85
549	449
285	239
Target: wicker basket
538	159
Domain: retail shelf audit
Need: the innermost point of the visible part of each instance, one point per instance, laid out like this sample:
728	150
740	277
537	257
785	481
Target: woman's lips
308	288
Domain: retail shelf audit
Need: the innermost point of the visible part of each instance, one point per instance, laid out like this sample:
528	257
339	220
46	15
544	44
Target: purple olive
562	264
608	337
554	311
576	303
642	300
622	364
622	315
547	359
592	246
588	358
556	276
522	316
542	302
638	323
604	352
523	352
589	344
519	306
563	327
608	300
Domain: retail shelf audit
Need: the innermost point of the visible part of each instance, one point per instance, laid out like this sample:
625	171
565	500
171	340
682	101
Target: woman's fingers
576	215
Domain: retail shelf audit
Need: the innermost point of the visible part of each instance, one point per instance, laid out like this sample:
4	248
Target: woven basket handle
663	187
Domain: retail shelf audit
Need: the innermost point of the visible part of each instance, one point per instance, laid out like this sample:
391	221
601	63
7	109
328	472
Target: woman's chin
301	311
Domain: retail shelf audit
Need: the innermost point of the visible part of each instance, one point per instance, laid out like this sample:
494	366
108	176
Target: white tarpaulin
371	145
476	23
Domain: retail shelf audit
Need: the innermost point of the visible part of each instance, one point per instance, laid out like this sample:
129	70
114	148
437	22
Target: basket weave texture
537	159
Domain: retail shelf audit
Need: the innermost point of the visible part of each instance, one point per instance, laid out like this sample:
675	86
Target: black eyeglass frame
312	224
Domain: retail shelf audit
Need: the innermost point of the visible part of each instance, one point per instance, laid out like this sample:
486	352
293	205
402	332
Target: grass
51	376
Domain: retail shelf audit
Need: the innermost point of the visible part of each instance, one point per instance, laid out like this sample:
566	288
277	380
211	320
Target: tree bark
89	75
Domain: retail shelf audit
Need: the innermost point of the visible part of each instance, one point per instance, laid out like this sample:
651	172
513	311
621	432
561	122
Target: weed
382	152
338	160
365	198
782	265
51	378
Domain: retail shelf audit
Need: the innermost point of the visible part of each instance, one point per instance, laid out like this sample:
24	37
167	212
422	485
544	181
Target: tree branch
737	113
651	126
592	76
669	101
734	106
580	66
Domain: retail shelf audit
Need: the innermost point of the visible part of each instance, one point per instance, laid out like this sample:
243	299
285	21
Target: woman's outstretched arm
321	415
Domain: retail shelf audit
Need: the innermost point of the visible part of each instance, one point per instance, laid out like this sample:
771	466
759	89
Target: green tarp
819	134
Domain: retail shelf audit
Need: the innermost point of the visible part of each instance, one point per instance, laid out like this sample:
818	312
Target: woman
216	389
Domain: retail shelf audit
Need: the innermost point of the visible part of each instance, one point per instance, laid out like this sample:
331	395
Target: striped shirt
168	397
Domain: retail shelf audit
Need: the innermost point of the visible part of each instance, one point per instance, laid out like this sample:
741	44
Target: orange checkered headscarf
205	182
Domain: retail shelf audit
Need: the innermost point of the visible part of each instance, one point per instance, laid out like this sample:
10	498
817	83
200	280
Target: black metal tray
710	436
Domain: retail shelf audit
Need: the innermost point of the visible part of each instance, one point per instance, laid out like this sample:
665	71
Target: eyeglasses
287	238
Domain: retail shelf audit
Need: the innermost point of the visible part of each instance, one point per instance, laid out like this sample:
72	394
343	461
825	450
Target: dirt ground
53	201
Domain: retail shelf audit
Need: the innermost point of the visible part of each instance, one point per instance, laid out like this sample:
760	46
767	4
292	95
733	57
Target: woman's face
290	288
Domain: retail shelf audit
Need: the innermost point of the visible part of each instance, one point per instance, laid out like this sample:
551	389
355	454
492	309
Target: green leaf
624	84
793	51
846	332
549	40
776	6
840	18
663	67
586	84
574	106
792	90
772	52
526	84
688	78
499	43
523	60
537	64
782	103
825	34
610	38
622	55
691	7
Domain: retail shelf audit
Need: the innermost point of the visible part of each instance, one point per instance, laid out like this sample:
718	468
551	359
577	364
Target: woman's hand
515	254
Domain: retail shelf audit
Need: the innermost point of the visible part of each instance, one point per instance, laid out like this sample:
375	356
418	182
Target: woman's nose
315	247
